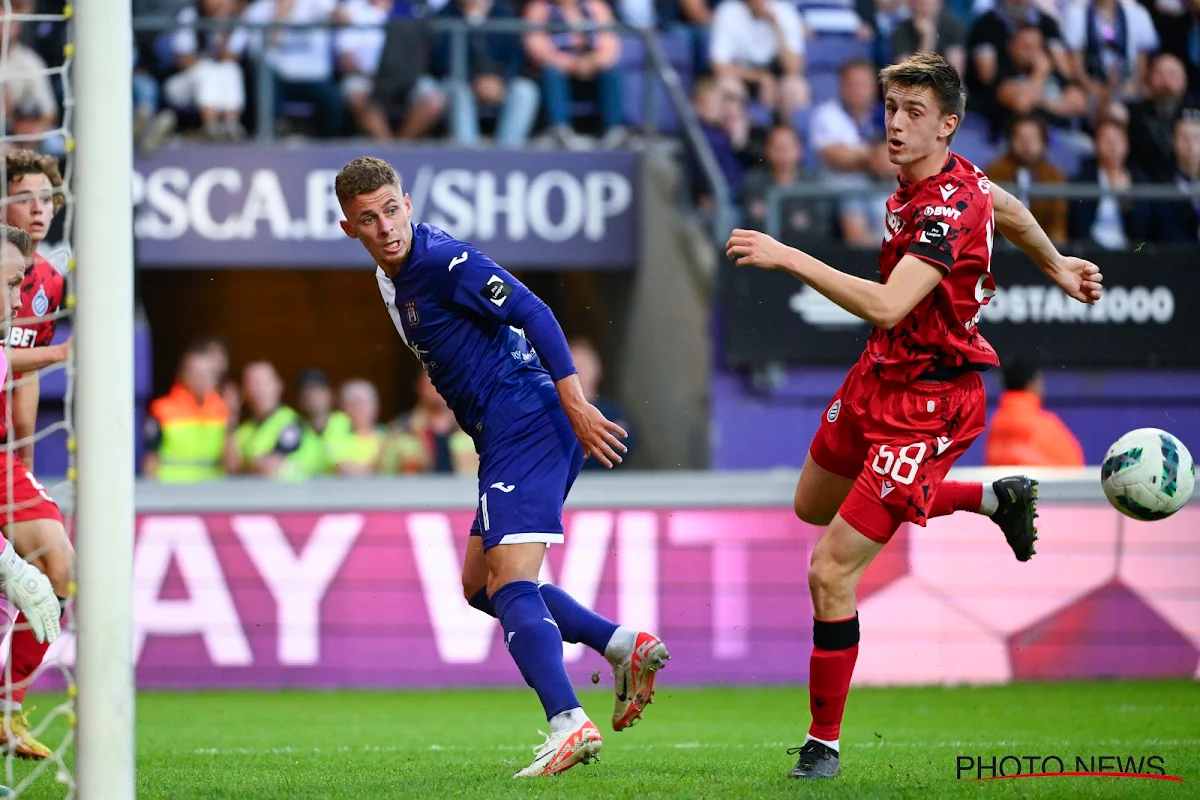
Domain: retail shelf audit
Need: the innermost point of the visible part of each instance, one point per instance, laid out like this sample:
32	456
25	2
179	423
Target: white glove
30	591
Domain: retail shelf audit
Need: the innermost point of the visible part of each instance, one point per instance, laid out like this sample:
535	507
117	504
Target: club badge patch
834	410
41	303
414	319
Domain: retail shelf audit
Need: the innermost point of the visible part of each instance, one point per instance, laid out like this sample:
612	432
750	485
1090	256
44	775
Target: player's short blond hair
927	70
18	237
18	163
363	176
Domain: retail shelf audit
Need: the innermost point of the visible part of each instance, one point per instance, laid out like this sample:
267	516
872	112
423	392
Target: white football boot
563	750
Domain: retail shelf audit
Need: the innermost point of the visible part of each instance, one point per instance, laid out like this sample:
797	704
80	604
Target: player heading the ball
497	355
915	400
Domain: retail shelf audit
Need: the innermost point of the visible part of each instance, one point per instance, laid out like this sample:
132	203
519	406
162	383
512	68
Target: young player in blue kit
472	324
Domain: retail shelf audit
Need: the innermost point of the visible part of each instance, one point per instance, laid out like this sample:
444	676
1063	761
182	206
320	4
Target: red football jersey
41	295
946	220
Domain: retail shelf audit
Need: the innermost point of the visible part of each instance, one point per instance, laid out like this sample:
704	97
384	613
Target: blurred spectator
219	353
577	61
275	441
1178	25
1032	83
301	59
185	429
493	80
353	448
1180	221
209	79
591	373
802	219
145	98
847	133
761	43
1109	41
428	439
314	401
30	104
933	27
989	58
1152	121
721	111
1025	164
359	51
1109	222
1022	433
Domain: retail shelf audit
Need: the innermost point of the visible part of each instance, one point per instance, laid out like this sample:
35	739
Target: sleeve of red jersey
946	211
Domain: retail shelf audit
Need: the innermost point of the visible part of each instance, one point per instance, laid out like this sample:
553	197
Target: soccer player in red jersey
33	523
915	400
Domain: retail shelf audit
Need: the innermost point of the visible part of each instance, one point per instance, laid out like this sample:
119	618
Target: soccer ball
1148	474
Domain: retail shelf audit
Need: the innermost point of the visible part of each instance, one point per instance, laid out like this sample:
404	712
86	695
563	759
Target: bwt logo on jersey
224	203
942	211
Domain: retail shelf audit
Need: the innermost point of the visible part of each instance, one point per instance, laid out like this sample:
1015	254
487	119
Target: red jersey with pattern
41	295
947	221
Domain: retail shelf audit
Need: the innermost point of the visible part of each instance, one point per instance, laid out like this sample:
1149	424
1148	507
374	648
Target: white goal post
104	418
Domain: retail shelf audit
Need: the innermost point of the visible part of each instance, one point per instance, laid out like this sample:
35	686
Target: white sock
990	501
831	745
567	720
620	646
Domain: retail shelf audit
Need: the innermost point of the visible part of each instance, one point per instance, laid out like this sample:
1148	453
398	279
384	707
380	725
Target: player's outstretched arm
1078	278
595	432
28	359
881	304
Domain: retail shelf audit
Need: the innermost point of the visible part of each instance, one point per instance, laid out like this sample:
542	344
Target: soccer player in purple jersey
474	328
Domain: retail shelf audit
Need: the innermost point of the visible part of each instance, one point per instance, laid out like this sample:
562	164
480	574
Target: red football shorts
896	442
28	499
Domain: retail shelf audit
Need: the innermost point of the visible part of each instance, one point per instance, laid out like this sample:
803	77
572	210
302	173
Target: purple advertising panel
374	599
274	206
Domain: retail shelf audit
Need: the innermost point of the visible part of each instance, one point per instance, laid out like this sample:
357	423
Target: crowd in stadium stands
208	426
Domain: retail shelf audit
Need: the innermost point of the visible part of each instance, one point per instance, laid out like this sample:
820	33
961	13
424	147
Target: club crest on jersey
834	410
410	310
41	303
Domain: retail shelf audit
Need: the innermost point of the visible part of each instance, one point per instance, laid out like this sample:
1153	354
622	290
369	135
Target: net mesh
25	76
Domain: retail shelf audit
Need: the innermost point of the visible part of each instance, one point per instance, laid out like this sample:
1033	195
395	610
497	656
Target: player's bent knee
812	513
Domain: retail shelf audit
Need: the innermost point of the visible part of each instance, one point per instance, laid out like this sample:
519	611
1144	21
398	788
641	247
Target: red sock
835	649
956	496
25	656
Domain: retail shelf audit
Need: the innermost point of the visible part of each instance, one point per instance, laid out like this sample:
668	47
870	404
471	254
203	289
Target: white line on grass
881	743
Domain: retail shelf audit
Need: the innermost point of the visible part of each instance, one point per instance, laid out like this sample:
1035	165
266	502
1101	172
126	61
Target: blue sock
576	623
534	642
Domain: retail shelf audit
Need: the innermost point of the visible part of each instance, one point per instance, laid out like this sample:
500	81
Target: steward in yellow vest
185	429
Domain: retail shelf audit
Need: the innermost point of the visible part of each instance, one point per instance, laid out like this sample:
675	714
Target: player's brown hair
927	70
18	237
362	176
29	162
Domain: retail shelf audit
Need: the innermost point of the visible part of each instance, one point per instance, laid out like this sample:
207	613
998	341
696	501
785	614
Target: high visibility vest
257	439
343	445
192	443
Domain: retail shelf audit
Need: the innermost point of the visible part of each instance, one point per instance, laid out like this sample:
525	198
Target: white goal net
37	104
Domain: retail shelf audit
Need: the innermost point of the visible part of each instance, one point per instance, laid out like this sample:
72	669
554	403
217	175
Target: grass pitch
694	743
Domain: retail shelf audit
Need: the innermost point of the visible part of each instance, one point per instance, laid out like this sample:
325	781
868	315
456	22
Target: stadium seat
634	60
823	84
973	140
828	53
